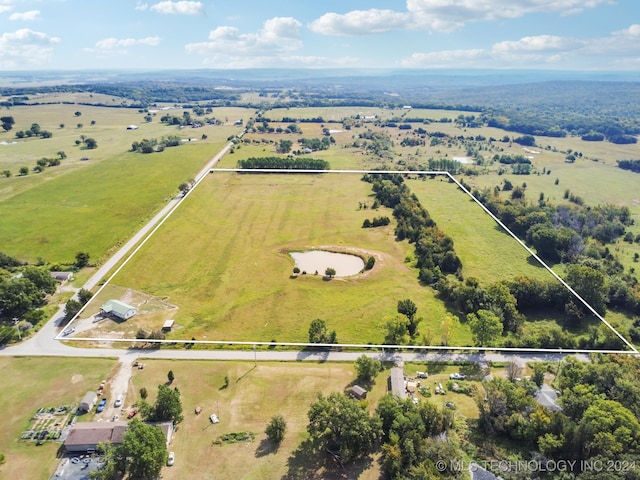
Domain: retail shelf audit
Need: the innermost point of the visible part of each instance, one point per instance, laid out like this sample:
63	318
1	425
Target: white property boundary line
362	346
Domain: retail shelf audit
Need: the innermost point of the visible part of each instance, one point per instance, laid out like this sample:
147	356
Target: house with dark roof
86	436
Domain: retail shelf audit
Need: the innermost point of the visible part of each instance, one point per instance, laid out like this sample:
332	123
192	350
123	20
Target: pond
313	261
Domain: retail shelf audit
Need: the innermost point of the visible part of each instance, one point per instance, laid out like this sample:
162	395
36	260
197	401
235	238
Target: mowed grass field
93	205
487	252
27	385
222	259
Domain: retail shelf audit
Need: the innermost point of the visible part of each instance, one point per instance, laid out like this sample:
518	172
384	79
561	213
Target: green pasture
222	259
98	206
96	203
487	252
338	113
31	383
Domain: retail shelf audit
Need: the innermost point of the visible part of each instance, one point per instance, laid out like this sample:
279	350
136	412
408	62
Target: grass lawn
31	383
254	395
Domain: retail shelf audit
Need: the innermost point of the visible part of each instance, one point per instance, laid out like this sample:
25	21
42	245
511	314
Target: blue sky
179	34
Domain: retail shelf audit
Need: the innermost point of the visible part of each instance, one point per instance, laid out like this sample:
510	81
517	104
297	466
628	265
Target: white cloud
618	50
182	7
278	35
440	15
358	22
25	47
25	16
141	6
5	8
111	43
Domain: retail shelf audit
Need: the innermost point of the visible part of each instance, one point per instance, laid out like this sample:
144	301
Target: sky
581	35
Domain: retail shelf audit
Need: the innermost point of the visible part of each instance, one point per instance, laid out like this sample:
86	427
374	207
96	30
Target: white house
118	309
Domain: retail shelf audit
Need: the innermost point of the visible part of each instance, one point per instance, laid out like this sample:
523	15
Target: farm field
32	383
231	275
95	204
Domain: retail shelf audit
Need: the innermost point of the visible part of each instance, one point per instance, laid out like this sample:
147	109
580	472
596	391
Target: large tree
367	368
485	327
409	309
143	450
168	406
343	426
319	333
589	283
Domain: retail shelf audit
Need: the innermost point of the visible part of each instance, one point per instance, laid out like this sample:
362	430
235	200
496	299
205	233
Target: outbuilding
118	309
358	392
396	383
167	325
88	401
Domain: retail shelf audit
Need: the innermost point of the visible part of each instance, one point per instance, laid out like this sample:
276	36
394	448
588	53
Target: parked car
118	401
457	376
422	375
101	405
171	459
68	331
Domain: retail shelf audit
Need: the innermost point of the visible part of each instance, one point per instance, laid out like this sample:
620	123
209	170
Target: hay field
92	205
222	260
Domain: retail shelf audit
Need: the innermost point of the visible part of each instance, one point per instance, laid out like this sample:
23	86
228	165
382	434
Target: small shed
358	392
61	276
88	401
167	325
118	309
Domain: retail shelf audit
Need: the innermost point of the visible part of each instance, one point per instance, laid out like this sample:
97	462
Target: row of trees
633	165
284	163
34	131
434	252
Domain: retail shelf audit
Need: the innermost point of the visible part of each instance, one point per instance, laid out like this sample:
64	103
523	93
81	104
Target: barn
118	309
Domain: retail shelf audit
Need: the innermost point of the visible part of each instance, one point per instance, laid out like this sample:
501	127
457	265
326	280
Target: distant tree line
316	144
284	163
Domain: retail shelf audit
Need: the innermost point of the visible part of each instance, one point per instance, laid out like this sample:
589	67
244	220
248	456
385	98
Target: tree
71	309
7	123
82	259
62	155
170	376
91	143
77	114
143	393
319	333
23	171
537	376
367	368
407	308
285	146
513	371
343	426
276	429
330	272
41	279
143	450
184	188
168	406
371	261
84	296
485	327
589	283
608	428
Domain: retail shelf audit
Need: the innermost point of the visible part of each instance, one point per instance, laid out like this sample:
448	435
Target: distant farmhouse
118	309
